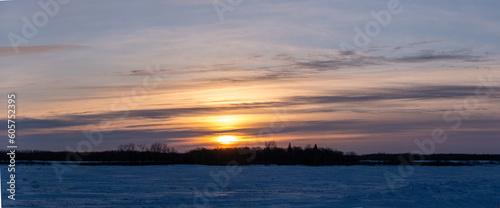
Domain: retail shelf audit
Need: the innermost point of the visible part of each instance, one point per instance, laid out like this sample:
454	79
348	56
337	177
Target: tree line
157	153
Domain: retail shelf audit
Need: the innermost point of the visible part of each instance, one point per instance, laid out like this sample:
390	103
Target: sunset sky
177	72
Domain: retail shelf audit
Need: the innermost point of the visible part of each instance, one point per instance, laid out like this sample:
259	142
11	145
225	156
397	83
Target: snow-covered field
253	186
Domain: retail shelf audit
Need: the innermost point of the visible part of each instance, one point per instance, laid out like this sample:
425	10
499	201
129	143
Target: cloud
334	64
266	77
413	93
397	48
423	42
284	66
430	55
373	95
25	50
32	123
354	59
391	129
370	131
351	59
64	139
165	113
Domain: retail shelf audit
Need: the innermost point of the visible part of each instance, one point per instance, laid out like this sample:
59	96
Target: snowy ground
253	186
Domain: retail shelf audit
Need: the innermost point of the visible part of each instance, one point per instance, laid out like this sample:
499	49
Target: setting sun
227	139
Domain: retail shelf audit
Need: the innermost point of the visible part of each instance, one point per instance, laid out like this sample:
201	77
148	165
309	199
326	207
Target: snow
253	186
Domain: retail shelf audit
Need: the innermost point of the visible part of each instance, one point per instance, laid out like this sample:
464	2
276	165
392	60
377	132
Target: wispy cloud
423	42
352	59
385	94
431	55
26	50
360	97
163	114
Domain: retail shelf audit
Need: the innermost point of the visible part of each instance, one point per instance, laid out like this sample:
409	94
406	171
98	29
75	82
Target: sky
362	76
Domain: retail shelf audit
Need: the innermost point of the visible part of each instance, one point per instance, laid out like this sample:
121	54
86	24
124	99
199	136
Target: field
253	186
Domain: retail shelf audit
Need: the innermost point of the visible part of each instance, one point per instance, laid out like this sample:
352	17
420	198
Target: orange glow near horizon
225	122
227	139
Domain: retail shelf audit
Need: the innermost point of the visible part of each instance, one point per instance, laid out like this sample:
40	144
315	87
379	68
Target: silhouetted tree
160	148
142	147
270	145
130	147
158	153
